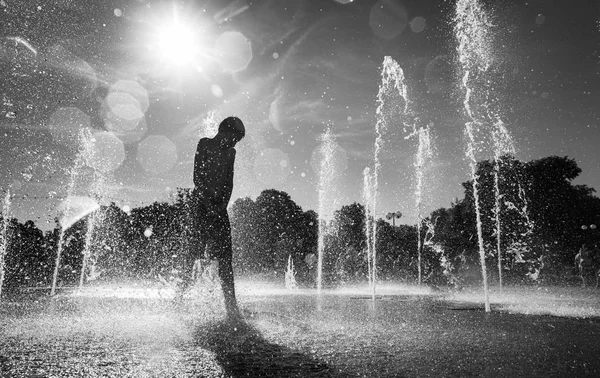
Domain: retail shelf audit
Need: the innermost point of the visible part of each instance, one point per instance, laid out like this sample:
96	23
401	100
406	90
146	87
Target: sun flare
177	43
175	37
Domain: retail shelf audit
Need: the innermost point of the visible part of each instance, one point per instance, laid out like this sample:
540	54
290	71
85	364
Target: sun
177	43
175	37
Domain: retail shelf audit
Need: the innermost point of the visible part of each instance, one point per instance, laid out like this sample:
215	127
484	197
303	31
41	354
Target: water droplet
417	24
540	19
216	90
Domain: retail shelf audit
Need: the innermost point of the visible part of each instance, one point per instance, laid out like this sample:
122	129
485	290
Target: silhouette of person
213	181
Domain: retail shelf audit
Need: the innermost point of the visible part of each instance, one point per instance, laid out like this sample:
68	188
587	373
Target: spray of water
210	125
4	237
290	275
393	87
503	144
424	154
75	171
89	260
392	82
369	218
326	178
471	29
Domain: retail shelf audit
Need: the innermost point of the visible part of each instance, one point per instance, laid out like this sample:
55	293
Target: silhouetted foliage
543	218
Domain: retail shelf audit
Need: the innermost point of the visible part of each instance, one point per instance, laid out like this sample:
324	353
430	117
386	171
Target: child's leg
196	247
224	253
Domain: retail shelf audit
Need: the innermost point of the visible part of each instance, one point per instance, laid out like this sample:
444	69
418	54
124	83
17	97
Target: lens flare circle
107	152
233	51
157	154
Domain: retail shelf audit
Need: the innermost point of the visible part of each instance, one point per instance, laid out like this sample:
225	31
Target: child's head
233	126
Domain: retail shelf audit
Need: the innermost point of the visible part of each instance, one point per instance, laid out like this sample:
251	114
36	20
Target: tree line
533	220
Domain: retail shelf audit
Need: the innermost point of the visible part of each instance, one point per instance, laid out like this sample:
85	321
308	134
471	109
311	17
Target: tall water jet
66	222
424	154
89	260
92	150
368	198
4	237
326	178
503	144
393	87
392	84
471	26
290	275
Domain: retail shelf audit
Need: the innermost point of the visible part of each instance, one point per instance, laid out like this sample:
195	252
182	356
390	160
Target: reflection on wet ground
285	334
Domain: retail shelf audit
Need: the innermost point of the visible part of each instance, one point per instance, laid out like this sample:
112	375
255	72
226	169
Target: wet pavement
286	335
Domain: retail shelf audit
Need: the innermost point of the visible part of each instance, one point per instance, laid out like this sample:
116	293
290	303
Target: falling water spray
393	86
474	44
368	197
503	144
326	178
392	83
424	154
98	180
4	237
79	162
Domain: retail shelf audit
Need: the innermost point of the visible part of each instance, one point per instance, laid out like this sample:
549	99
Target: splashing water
210	125
392	82
503	144
394	88
290	275
4	237
326	178
424	154
84	135
98	188
369	218
475	53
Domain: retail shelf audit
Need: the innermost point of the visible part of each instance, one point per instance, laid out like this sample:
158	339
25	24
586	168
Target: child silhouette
213	181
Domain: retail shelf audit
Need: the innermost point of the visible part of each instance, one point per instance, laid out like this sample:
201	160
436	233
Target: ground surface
142	332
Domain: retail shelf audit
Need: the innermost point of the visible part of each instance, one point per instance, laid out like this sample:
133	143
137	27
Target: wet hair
233	125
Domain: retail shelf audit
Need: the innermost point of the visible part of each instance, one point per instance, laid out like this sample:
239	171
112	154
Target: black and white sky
107	99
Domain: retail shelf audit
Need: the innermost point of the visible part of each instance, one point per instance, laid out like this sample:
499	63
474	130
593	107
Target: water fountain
369	218
475	55
75	171
394	89
89	261
290	275
392	77
326	177
424	154
4	237
503	144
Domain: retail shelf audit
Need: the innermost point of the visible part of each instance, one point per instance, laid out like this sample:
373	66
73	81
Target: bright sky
142	81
